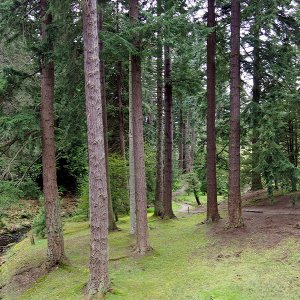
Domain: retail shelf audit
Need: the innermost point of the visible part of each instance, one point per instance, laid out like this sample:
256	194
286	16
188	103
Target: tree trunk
196	197
120	108
180	143
187	144
212	204
111	216
98	198
158	203
234	192
131	160
167	193
256	183
184	147
192	149
119	81
52	206
138	141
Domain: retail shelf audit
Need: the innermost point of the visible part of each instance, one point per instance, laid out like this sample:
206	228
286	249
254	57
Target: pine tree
167	193
158	202
98	198
212	204
234	189
111	219
131	160
56	254
142	245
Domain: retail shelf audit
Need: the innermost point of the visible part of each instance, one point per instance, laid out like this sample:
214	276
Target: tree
212	204
234	189
180	141
56	253
167	193
142	245
256	183
131	160
158	201
98	198
111	219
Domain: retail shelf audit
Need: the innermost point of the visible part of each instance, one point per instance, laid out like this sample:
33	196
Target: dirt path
266	224
189	209
184	207
179	192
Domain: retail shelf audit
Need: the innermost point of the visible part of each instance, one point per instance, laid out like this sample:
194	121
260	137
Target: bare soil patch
266	224
23	279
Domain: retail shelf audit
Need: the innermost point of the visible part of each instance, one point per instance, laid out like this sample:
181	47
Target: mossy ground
188	262
189	198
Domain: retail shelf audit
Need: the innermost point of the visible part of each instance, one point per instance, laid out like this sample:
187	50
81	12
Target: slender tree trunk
192	149
196	197
142	245
212	204
119	81
184	147
158	203
120	108
188	144
131	160
167	193
98	198
256	183
53	222
292	152
180	143
111	216
234	193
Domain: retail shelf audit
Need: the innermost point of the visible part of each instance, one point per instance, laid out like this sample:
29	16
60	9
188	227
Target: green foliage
30	189
83	205
39	224
118	173
193	183
273	162
150	168
9	194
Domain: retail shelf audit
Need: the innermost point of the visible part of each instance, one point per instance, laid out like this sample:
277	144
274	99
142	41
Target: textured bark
212	204
53	222
131	160
256	183
187	145
180	143
111	216
167	193
184	147
158	203
98	198
234	192
142	245
120	108
192	149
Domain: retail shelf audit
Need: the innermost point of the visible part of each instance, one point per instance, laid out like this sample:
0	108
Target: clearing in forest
191	260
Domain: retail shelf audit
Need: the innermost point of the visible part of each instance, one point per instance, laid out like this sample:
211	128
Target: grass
190	198
183	265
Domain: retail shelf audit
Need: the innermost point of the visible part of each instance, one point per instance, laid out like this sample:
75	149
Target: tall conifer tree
234	186
212	204
98	198
53	223
142	245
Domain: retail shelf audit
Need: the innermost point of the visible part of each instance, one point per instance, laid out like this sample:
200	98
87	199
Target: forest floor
190	260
